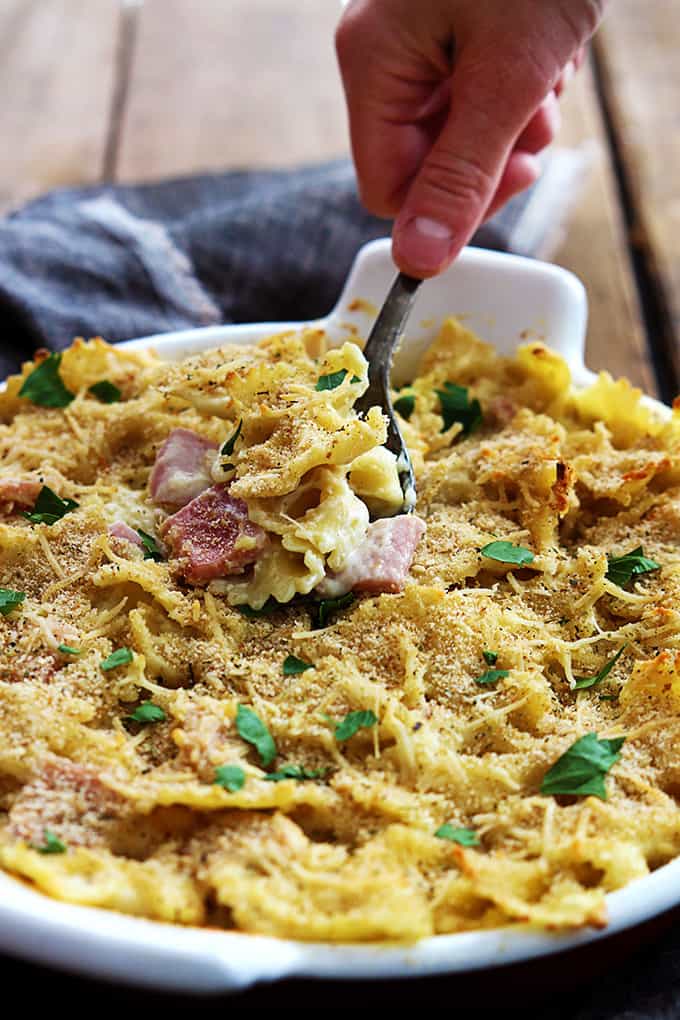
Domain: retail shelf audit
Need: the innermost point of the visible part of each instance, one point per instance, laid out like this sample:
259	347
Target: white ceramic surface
504	298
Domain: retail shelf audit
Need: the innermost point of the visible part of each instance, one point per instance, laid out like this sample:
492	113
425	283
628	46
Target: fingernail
424	244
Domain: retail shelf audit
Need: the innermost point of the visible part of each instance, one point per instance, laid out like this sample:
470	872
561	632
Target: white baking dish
505	299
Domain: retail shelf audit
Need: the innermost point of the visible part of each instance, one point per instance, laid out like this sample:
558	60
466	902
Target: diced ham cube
122	530
22	491
212	536
382	561
70	801
501	409
182	469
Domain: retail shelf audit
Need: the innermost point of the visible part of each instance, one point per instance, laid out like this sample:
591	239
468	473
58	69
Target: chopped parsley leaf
9	599
580	771
332	380
45	387
322	611
120	657
466	837
405	405
506	552
251	729
231	777
51	844
105	391
490	658
491	676
622	568
292	666
150	546
353	722
456	406
228	446
589	681
147	712
270	606
49	508
298	772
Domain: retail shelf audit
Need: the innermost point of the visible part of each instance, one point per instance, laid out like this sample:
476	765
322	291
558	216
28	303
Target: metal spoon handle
378	352
387	330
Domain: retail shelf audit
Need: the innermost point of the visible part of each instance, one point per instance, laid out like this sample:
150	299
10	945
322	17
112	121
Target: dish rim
102	943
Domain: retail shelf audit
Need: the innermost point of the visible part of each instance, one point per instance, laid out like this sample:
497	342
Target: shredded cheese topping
136	820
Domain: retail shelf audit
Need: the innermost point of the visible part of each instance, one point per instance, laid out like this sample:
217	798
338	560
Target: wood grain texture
58	62
595	246
638	50
216	85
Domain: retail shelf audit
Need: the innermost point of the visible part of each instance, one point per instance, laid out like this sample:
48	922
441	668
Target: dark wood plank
255	83
215	85
595	246
638	49
58	60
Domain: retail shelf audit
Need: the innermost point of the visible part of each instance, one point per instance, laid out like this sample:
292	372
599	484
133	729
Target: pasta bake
240	689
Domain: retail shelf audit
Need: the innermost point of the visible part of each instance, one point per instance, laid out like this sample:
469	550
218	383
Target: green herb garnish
45	387
51	845
9	599
228	446
621	568
298	772
332	380
68	650
105	391
466	837
491	676
147	712
490	658
251	729
580	771
292	666
118	658
231	777
150	546
405	405
322	611
270	606
353	722
49	508
456	406
506	552
589	681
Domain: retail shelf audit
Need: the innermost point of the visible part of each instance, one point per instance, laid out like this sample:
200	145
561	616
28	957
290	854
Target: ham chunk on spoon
182	469
382	562
212	536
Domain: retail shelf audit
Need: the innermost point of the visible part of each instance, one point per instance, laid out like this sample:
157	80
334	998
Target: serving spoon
378	351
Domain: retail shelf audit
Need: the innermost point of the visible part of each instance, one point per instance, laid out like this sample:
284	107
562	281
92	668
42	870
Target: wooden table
132	90
96	90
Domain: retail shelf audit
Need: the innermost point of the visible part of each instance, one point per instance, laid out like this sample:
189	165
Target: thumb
493	97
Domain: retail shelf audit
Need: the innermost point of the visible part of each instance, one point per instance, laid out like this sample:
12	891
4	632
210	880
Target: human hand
449	101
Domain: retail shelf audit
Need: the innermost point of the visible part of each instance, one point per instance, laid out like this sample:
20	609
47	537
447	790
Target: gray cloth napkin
127	261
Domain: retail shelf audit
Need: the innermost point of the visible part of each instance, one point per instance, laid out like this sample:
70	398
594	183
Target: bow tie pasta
236	692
